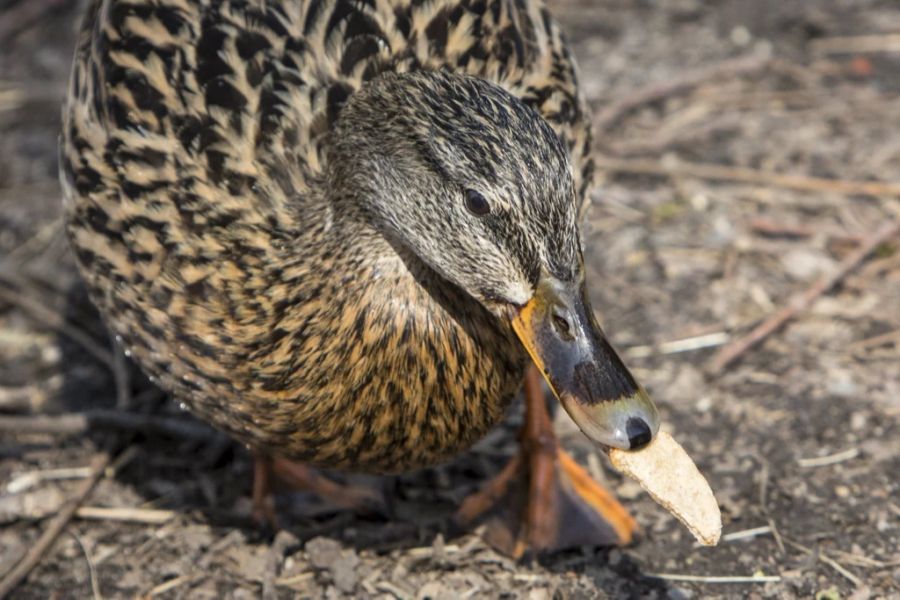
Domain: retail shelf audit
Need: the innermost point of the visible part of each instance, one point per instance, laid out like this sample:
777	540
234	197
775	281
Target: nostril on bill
562	325
639	433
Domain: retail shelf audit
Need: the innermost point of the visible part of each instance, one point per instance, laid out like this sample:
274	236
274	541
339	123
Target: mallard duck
342	230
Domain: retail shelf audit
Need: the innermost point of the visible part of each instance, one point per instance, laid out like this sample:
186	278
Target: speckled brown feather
194	153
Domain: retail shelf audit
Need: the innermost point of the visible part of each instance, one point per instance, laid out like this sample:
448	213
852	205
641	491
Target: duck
346	232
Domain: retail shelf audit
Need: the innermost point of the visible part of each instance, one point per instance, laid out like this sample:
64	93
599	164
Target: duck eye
477	203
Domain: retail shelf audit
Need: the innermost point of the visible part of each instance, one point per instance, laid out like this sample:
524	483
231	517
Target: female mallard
337	229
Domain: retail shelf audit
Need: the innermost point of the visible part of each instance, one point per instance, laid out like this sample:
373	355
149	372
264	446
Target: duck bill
558	328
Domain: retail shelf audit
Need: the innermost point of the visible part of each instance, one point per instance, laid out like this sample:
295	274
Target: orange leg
543	500
263	504
358	499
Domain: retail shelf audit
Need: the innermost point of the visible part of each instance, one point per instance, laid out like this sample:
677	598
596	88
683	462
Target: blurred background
743	253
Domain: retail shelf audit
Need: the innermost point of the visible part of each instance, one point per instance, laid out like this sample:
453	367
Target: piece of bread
669	475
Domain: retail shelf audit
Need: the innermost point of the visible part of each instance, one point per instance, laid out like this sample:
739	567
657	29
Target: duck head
479	187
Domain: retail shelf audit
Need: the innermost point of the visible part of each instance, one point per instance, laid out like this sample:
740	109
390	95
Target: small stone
34	504
344	571
700	202
804	264
249	561
842	491
841	383
331	593
242	594
863	592
740	36
629	490
683	388
831	593
196	538
704	404
438	553
322	552
677	593
723	232
434	590
327	555
615	557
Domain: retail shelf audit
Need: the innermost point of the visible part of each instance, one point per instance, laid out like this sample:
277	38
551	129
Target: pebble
841	383
615	557
322	552
242	594
740	36
435	590
328	555
863	592
344	571
804	265
539	594
677	593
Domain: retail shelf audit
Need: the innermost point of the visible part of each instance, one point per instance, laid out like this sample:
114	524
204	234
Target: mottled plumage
252	217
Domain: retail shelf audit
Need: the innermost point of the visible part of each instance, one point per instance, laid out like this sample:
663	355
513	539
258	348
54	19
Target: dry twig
746	533
146	516
10	99
172	584
891	337
36	243
79	423
779	541
831	459
717	578
25	14
751	176
663	140
395	590
294	580
16	400
828	561
800	302
766	226
697	342
20	483
57	525
33	307
857	44
655	92
92	569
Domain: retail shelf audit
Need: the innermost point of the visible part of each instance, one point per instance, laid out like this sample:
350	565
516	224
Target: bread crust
671	478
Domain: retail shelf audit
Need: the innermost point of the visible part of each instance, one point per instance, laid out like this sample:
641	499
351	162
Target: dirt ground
692	242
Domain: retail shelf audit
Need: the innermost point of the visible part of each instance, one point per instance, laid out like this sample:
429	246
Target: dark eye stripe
477	203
